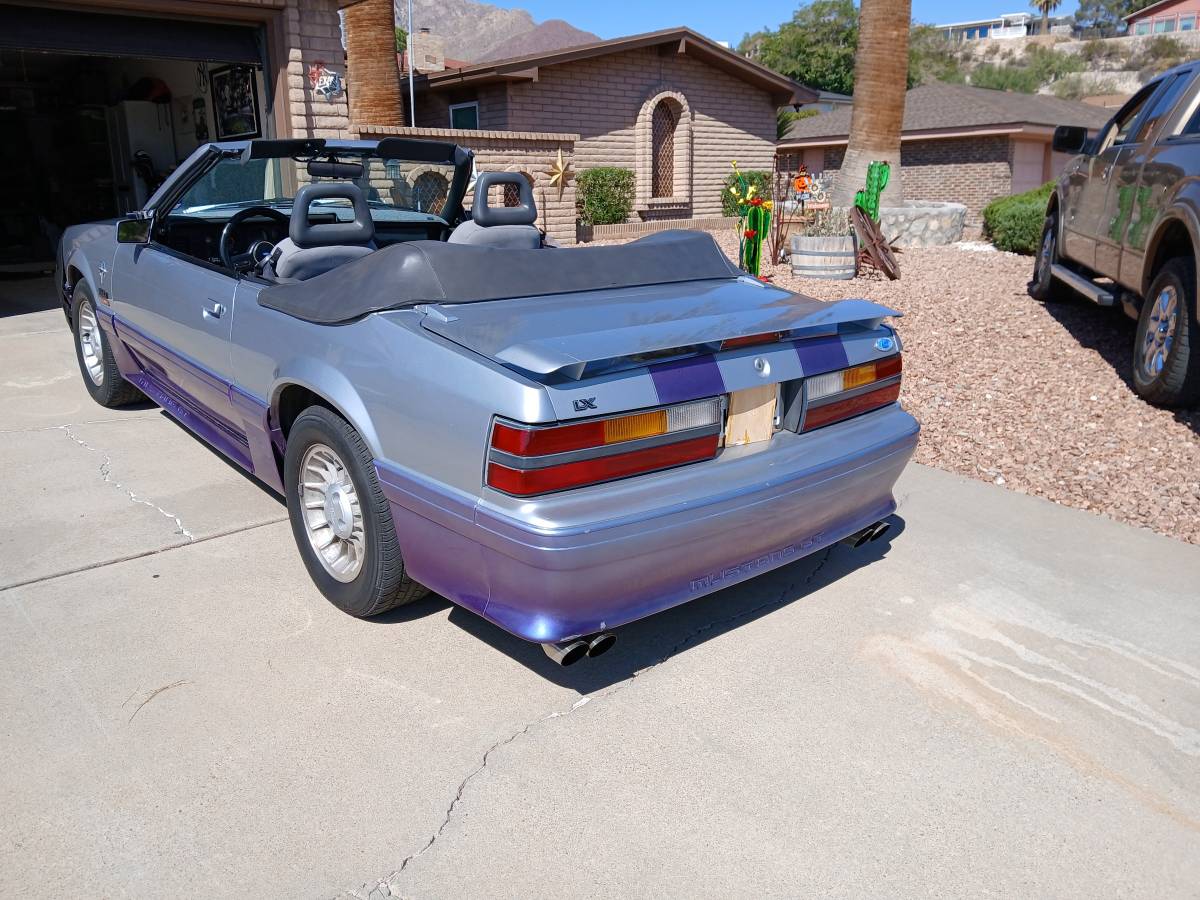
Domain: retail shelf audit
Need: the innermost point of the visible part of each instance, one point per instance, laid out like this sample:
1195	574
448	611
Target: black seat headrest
524	213
306	234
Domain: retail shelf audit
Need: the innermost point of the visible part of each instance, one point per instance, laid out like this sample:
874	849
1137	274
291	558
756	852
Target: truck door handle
213	310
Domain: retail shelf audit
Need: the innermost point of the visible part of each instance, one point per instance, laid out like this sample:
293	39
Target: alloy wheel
91	343
1160	331
332	515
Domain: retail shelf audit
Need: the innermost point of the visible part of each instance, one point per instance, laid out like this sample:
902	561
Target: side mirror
1069	139
134	230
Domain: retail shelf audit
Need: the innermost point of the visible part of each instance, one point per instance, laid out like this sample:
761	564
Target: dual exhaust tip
567	653
870	533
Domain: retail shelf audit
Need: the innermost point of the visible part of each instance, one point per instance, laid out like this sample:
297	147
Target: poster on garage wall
235	103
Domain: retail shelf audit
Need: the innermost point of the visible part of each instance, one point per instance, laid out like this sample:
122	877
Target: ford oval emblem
885	345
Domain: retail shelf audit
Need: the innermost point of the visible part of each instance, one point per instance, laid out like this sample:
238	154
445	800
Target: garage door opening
90	136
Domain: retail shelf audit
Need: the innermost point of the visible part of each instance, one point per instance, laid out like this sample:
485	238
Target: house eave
1017	128
675	40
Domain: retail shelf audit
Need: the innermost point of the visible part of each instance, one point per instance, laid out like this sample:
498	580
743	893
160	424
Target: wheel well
1052	206
74	276
1171	242
293	400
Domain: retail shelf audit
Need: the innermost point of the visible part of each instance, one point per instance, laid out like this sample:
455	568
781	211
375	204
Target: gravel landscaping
1029	396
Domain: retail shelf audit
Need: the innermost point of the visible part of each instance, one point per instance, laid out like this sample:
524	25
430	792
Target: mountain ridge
477	32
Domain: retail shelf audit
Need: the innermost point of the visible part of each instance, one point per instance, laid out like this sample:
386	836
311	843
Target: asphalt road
1003	699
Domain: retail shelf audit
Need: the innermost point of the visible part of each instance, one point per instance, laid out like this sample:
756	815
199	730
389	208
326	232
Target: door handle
213	310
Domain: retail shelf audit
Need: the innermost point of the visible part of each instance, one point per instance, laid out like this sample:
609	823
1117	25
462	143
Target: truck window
1163	104
1122	124
1193	124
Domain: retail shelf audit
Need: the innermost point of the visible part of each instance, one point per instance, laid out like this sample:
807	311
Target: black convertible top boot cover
404	275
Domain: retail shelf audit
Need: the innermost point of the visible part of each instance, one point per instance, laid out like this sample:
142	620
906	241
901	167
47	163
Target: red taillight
836	396
751	340
527	460
525	482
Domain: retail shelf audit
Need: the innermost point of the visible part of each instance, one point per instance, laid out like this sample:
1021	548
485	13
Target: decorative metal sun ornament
559	173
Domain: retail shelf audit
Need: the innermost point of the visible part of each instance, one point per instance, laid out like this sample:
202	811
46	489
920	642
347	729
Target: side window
1122	124
1163	105
1193	125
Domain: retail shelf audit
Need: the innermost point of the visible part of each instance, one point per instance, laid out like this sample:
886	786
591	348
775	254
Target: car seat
314	248
500	226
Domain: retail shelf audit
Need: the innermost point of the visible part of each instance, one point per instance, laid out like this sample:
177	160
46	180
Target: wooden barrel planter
825	257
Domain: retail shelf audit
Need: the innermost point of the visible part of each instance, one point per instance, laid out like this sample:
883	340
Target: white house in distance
1008	25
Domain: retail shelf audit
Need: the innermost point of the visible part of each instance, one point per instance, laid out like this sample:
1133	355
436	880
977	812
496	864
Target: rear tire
97	364
1043	287
334	499
1166	350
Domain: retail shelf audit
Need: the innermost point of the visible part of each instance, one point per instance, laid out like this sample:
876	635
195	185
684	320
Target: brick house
671	105
960	144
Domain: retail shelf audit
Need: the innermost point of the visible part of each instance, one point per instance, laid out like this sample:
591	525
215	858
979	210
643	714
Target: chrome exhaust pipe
859	537
567	653
601	644
870	533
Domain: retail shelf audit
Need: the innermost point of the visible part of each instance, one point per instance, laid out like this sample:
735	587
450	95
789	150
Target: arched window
662	152
430	191
512	192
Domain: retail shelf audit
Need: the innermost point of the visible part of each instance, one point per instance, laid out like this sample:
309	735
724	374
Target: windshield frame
207	157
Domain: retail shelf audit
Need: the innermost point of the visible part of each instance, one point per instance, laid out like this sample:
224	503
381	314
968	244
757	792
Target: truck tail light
527	459
836	396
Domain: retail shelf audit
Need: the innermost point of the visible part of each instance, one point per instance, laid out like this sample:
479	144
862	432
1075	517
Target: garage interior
98	108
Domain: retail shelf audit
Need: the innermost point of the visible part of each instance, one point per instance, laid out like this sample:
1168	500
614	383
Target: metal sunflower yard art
753	223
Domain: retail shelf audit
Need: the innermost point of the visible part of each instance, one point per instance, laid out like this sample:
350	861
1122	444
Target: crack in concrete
140	555
389	887
106	477
33	429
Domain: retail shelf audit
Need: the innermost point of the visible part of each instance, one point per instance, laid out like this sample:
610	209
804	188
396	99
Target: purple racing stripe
821	354
687	379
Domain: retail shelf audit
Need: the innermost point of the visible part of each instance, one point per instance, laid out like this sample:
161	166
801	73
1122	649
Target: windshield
388	184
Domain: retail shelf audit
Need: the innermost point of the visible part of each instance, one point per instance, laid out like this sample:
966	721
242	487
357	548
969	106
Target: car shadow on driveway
1110	333
650	641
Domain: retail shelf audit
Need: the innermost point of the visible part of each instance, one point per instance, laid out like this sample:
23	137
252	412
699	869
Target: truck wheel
1043	287
101	376
340	519
1166	351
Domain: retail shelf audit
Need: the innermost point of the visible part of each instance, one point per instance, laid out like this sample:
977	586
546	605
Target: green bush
604	196
758	179
1015	223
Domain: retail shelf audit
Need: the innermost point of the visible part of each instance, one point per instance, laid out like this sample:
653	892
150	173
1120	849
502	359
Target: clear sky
725	21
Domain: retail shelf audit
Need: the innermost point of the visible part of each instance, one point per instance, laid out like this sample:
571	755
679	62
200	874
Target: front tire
1043	287
340	518
97	364
1166	350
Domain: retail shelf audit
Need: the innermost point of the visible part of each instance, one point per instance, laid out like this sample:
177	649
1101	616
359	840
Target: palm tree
1046	7
880	81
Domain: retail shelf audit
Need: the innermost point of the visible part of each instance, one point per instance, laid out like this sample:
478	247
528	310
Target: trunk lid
575	336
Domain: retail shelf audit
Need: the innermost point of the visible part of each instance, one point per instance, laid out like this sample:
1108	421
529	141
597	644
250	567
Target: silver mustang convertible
561	440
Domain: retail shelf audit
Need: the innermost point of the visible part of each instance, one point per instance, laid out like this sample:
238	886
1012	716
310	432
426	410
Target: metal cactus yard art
754	221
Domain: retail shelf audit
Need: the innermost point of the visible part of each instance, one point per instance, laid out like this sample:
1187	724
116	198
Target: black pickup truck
1127	210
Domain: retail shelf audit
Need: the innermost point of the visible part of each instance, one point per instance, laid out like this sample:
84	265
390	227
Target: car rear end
666	472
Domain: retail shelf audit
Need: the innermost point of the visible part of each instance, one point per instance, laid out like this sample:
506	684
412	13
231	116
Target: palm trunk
880	81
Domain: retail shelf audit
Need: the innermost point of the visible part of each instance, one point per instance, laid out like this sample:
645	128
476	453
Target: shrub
1005	78
1076	87
1015	223
604	196
757	179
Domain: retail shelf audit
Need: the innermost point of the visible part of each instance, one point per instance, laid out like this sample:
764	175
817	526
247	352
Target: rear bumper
545	575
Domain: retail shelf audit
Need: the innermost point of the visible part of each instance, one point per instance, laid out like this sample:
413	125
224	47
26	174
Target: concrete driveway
1003	699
